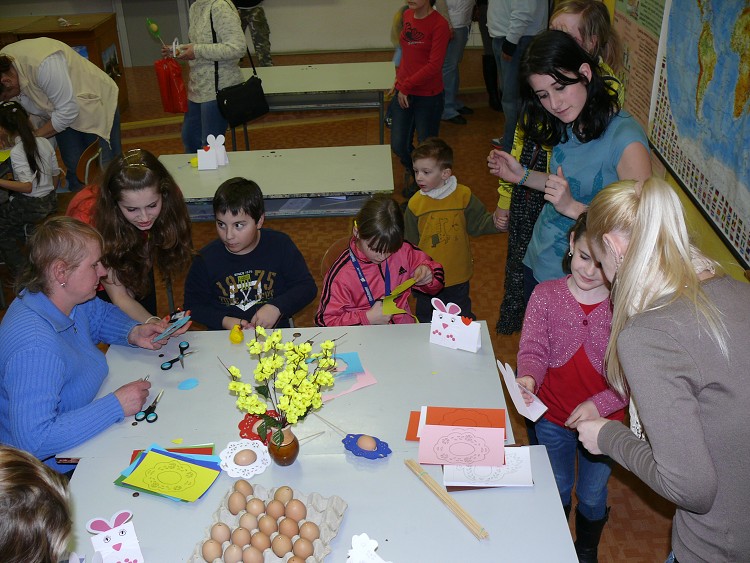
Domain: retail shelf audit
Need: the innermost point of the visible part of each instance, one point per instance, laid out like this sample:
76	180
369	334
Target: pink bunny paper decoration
115	540
451	330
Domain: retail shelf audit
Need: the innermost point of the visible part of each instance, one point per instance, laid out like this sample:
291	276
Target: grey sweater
695	409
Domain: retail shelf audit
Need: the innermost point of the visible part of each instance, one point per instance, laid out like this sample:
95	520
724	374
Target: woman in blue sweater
50	367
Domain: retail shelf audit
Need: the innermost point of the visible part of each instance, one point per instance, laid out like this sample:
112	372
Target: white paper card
115	539
533	411
451	330
515	473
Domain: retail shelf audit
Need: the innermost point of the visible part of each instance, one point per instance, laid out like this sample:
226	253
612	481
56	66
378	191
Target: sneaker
457	120
465	110
388	122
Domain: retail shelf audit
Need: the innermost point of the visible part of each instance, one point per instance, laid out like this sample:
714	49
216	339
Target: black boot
489	71
588	534
566	508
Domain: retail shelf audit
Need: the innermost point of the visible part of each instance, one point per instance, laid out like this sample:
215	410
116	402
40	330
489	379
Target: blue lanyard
363	280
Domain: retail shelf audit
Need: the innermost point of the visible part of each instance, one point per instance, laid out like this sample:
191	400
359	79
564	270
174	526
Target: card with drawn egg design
456	445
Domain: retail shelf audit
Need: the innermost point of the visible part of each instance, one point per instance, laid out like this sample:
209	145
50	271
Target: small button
585	322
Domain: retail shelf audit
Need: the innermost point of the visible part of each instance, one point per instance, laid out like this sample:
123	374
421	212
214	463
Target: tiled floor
639	526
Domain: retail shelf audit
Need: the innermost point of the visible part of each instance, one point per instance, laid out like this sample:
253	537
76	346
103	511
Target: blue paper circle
188	384
382	449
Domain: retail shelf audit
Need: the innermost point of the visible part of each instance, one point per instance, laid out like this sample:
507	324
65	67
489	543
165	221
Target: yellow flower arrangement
284	378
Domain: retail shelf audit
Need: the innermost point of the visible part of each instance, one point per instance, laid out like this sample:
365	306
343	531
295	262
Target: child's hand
266	316
375	314
403	100
422	275
585	411
501	218
529	384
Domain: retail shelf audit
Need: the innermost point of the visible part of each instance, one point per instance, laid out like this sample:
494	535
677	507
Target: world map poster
700	109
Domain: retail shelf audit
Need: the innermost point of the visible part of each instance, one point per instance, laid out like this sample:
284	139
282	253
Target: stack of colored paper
179	474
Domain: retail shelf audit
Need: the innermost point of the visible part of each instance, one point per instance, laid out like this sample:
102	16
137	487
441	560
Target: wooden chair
333	252
90	164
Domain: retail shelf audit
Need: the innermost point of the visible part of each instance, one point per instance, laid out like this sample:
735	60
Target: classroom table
306	182
327	86
385	499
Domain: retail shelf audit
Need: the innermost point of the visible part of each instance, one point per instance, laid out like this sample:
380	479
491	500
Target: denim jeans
201	120
671	558
422	115
72	143
510	85
563	449
451	78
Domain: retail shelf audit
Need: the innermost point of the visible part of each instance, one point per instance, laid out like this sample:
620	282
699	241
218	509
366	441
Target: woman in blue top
569	106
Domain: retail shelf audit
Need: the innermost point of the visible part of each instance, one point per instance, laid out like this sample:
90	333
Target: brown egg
275	509
220	532
255	506
211	550
309	531
244	487
236	502
241	536
233	554
281	545
303	548
260	541
267	525
289	528
366	442
295	559
296	510
249	521
252	555
245	457
283	494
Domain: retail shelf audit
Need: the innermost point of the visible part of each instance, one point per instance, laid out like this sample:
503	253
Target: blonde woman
679	345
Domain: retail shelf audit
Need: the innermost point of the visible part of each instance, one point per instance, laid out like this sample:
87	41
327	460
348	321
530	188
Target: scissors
184	345
149	414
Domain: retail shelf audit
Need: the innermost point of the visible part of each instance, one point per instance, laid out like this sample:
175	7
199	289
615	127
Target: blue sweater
51	370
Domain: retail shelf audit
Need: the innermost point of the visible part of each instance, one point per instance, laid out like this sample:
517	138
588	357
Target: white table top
344	77
385	499
292	173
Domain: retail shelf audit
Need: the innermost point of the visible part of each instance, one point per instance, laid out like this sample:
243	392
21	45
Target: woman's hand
585	411
403	100
501	218
422	275
557	192
504	166
375	314
132	396
529	384
588	434
186	52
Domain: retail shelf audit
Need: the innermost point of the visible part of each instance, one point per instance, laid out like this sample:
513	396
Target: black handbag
242	102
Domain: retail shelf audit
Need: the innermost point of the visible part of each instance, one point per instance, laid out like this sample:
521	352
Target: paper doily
262	461
381	450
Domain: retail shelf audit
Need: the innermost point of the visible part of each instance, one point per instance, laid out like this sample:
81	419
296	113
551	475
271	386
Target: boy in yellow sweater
439	219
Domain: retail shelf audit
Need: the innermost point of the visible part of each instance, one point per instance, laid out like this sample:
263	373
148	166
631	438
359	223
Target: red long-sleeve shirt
423	44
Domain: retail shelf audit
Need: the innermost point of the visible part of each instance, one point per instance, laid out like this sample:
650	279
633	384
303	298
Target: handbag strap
216	63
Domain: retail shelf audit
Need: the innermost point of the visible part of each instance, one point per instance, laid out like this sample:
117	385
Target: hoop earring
570	254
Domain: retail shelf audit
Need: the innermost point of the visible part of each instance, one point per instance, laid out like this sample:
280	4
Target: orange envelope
456	416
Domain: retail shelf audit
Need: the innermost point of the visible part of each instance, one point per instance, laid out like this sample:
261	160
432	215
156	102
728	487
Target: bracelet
525	176
153	318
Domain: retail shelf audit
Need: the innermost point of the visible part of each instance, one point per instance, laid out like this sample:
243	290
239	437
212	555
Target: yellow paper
172	477
177	441
389	304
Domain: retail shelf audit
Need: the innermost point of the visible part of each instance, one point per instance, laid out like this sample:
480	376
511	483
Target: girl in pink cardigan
560	358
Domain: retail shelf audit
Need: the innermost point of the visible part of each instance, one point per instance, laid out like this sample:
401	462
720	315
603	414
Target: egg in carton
325	512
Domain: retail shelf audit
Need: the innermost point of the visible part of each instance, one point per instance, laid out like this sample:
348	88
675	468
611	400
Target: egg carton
327	513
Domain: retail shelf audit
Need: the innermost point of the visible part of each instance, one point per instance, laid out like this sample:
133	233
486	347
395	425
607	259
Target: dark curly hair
129	253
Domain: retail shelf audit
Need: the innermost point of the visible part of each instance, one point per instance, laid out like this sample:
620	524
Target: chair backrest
333	252
90	165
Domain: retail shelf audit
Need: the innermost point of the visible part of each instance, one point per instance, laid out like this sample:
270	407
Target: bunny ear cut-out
453	309
438	304
210	140
99	525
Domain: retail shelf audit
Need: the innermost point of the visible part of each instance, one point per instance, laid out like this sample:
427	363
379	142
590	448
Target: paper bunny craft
115	540
363	550
451	330
214	154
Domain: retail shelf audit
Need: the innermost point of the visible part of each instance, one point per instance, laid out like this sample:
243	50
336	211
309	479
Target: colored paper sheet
350	385
413	427
172	477
458	416
533	411
516	472
389	301
459	445
347	363
203	449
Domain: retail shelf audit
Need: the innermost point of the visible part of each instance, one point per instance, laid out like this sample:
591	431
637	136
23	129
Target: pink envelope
460	445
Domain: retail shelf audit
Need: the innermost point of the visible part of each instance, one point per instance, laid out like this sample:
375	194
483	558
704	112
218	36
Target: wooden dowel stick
468	521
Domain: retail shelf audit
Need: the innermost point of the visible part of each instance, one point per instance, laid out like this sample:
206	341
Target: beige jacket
96	93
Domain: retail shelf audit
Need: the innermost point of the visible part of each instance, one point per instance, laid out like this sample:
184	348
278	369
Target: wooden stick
448	500
330	424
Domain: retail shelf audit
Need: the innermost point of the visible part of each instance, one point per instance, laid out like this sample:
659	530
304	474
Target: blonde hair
657	267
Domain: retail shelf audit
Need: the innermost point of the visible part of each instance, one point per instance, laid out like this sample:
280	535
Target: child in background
439	219
35	519
35	175
561	359
246	277
376	262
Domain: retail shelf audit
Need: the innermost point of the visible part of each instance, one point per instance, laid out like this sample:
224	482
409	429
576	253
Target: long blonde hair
658	266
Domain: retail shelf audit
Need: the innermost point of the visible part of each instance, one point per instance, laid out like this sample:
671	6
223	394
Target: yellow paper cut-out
389	301
177	441
172	477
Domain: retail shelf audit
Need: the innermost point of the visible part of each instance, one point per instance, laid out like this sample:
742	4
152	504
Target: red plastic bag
171	85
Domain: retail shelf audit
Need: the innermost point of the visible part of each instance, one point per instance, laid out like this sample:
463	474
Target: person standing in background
253	16
489	66
459	13
512	24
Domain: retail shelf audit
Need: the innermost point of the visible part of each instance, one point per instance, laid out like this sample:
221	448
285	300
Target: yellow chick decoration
236	336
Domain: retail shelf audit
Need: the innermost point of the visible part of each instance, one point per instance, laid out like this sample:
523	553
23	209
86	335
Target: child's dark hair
237	195
578	230
380	223
15	120
556	54
436	149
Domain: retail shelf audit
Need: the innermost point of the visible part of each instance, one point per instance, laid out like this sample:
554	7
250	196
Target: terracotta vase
287	452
